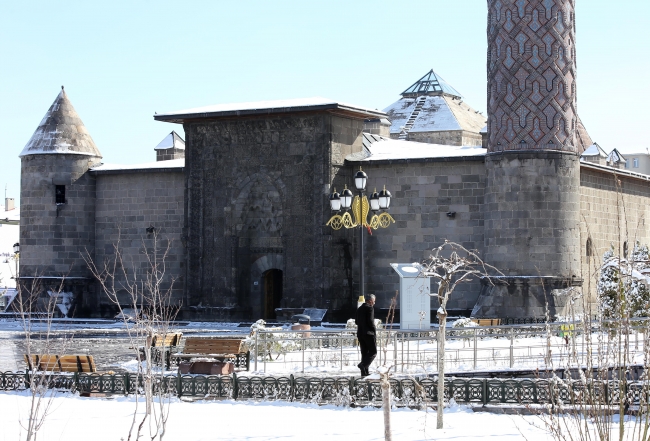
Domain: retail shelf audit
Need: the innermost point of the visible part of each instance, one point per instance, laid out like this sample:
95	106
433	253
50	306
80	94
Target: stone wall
433	200
452	137
532	214
614	210
53	236
128	204
256	198
169	154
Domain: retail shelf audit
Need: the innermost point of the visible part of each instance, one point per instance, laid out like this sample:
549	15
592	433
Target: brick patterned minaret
531	75
533	176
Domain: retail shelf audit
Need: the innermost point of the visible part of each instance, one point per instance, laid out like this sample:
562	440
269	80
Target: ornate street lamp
360	209
16	254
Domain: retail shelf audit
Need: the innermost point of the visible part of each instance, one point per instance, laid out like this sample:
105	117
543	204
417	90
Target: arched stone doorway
272	292
267	286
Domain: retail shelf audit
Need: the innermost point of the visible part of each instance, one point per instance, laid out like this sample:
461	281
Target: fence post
402	351
512	349
265	346
341	343
292	388
304	339
475	347
395	350
485	392
179	383
257	347
235	386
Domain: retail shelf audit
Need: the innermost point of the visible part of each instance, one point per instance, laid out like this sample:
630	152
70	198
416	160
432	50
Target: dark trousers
368	346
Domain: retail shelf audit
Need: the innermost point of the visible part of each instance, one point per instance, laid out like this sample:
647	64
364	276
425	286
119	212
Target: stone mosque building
242	202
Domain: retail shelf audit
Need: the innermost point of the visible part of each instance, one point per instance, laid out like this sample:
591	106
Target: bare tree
35	312
141	285
450	265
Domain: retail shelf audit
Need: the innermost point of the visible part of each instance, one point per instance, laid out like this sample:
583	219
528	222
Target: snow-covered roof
438	113
594	150
369	138
174	163
385	149
266	107
615	156
61	132
11	217
171	141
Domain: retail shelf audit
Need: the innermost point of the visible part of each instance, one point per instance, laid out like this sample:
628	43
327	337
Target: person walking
366	333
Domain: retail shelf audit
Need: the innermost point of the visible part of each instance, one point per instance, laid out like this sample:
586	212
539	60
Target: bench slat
61	363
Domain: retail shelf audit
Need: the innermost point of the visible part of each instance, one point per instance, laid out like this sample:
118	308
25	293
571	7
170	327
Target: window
636	162
627	163
59	194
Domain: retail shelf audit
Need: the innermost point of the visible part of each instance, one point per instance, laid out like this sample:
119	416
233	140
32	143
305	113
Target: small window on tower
59	193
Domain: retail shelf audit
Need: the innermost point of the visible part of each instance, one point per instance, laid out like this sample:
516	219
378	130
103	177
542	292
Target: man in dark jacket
366	333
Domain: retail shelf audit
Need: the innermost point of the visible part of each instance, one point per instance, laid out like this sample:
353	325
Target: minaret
57	202
532	195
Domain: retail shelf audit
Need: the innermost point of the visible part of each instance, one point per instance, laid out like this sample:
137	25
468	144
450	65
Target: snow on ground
74	418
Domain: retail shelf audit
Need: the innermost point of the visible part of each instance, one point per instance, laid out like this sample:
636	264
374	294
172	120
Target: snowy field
74	418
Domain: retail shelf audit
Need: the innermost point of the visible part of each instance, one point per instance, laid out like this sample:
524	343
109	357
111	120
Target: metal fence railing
531	346
414	391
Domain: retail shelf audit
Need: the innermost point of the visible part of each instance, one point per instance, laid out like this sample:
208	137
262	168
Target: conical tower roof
61	132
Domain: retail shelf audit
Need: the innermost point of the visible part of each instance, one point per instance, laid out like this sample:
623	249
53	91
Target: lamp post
16	253
360	206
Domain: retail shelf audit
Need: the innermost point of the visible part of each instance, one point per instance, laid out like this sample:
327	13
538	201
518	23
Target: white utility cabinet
414	296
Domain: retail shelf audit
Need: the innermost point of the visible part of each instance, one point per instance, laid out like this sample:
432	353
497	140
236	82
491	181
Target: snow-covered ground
108	343
74	418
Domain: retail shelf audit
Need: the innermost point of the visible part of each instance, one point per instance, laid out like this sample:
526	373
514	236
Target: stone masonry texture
432	201
614	213
127	205
532	214
256	195
53	236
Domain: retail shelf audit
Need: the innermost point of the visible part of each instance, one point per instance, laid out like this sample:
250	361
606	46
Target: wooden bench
162	347
487	322
61	363
220	349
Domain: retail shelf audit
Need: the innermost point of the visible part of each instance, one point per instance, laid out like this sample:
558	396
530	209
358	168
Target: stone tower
57	196
533	177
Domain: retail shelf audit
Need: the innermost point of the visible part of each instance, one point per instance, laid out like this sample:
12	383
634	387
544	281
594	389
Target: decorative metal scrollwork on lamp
361	206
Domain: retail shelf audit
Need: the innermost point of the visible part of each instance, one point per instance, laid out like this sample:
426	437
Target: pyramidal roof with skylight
171	141
430	84
432	105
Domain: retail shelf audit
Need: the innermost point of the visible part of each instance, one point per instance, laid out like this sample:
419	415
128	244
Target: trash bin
302	319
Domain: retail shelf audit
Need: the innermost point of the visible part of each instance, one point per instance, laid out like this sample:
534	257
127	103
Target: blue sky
121	61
